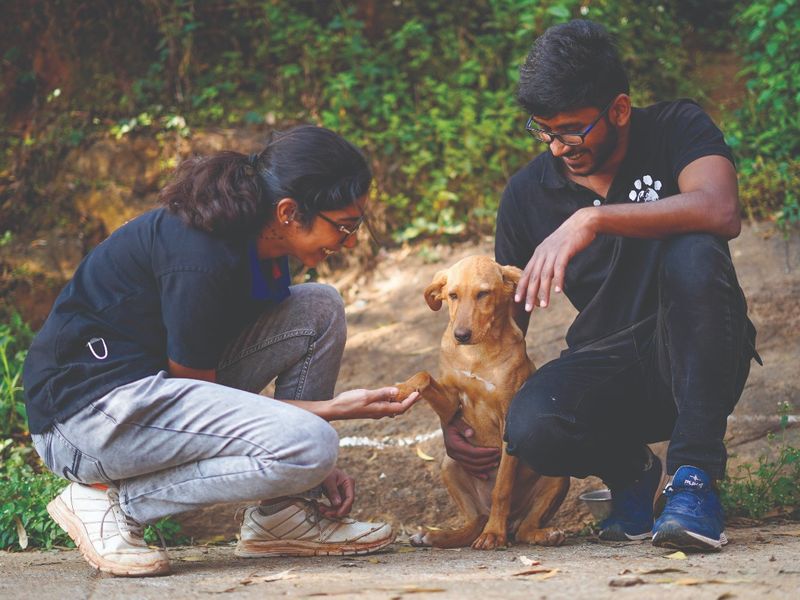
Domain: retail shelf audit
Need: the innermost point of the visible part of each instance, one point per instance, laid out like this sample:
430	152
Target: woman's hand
340	489
370	404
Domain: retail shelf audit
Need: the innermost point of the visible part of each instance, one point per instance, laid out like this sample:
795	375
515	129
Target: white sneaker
300	530
109	539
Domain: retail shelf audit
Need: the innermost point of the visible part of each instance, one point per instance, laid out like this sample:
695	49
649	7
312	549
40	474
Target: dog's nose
462	335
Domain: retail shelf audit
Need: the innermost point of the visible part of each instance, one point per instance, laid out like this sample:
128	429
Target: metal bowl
598	502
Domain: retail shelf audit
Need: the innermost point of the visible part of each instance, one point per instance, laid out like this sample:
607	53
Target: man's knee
539	439
693	263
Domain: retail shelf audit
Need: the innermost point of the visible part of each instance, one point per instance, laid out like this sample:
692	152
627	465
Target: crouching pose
142	386
628	211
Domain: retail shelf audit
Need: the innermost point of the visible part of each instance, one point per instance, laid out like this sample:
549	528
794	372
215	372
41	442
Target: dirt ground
393	334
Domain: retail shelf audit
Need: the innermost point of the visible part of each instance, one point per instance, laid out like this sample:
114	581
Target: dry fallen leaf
433	528
191	558
22	535
405	549
528	562
410	589
690	581
794	533
658	571
677	555
542	573
422	455
373	457
625	581
287	574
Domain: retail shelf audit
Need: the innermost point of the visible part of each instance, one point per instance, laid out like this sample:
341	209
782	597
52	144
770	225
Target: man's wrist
591	218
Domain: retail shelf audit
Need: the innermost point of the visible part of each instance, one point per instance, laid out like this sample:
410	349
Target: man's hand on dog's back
478	461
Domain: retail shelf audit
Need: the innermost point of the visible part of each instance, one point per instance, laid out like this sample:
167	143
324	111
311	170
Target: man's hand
478	461
371	404
340	489
550	259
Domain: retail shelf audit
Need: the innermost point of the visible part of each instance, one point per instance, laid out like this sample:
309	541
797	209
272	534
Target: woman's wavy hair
230	194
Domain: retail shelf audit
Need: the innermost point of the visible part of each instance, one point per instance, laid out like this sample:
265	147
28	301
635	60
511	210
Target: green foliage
24	494
764	134
428	91
15	336
770	487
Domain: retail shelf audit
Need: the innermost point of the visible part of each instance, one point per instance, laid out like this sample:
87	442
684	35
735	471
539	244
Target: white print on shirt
646	190
98	343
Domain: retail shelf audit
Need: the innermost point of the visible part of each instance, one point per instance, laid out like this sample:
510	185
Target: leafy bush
764	133
428	90
772	486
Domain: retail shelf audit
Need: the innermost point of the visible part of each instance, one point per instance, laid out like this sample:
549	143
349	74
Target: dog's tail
457	538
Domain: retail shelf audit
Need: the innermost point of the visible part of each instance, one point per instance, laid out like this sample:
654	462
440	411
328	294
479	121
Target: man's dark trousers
676	375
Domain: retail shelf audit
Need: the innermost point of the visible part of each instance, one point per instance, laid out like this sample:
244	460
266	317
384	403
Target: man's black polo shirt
613	282
155	289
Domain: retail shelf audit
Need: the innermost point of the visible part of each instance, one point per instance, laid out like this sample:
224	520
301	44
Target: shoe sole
70	523
675	536
624	537
300	548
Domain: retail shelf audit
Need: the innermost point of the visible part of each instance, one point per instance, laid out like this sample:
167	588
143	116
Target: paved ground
760	562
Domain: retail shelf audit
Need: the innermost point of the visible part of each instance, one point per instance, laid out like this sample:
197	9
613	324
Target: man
628	212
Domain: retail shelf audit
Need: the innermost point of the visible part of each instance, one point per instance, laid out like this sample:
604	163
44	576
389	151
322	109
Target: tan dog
483	362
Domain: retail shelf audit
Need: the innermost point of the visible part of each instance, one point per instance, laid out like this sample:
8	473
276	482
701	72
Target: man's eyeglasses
348	230
568	139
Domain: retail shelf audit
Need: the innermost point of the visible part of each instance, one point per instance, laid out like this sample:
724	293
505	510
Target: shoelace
126	522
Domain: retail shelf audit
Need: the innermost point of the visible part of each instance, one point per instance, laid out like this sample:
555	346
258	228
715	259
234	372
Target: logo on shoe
693	481
645	190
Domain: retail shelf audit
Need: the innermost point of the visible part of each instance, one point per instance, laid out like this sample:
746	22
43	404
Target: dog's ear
511	275
433	293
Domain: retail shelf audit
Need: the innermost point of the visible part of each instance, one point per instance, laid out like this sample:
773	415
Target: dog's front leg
432	391
495	532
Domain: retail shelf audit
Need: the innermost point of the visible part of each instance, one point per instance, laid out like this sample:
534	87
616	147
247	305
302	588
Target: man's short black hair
571	66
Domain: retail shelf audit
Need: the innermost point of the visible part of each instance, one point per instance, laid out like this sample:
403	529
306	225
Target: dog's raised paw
419	539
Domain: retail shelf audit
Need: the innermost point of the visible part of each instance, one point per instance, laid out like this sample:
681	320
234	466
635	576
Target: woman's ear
433	293
285	211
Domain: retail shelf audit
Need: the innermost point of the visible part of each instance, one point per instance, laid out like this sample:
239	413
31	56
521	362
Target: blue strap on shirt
270	277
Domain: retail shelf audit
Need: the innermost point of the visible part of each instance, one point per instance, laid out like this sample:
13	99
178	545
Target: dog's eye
452	296
482	294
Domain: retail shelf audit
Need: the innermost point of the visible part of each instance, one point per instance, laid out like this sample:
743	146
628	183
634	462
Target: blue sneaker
692	517
631	515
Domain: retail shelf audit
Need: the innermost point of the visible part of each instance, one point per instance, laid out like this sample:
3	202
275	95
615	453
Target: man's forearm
690	212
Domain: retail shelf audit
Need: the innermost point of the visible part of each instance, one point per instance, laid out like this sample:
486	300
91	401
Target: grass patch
771	487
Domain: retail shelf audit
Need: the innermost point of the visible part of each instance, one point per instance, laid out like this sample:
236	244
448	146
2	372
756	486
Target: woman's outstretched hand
371	404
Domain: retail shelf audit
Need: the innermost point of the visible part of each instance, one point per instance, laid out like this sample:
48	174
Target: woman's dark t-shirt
155	290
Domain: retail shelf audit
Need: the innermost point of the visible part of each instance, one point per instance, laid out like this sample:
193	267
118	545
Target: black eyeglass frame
347	231
548	136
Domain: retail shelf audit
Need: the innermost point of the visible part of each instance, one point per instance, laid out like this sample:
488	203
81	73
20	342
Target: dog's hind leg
463	490
548	494
443	404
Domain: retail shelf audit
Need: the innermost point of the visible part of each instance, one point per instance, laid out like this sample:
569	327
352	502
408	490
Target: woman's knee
325	308
314	454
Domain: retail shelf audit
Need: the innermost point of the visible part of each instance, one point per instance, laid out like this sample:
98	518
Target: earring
286	222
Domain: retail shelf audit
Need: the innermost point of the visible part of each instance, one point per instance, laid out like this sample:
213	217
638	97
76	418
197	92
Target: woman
142	385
